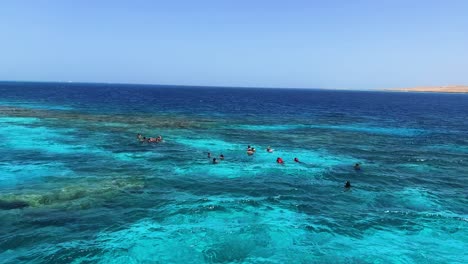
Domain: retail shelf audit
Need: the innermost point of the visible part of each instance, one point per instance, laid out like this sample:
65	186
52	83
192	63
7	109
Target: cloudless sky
348	44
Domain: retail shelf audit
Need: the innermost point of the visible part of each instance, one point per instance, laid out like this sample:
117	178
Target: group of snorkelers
251	150
221	157
357	167
157	139
279	160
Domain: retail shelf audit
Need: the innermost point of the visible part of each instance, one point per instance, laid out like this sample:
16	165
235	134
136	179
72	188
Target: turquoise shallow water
77	187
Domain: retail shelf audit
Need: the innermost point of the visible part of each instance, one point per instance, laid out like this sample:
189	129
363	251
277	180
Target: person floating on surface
296	160
270	150
347	185
357	166
279	161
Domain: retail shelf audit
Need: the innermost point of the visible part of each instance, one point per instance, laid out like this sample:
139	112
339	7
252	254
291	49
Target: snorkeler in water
347	185
357	166
296	160
279	161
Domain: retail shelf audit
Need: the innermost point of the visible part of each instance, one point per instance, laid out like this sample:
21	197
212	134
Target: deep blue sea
77	186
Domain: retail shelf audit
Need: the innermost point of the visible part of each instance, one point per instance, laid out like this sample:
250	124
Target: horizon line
187	85
404	89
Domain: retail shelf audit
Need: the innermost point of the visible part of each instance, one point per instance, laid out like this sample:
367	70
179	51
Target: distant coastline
433	89
426	89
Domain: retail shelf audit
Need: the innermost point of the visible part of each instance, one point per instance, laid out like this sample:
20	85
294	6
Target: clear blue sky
347	44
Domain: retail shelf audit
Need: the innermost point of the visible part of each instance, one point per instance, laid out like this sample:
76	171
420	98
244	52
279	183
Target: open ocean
76	186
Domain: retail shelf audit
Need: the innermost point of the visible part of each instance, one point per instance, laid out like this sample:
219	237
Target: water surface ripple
76	186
